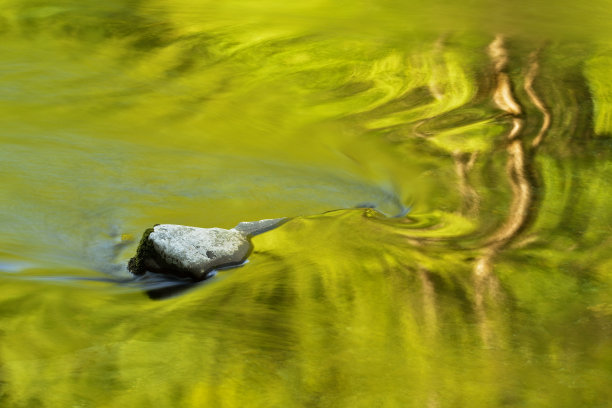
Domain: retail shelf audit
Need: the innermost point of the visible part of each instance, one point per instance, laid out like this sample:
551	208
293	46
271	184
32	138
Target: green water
480	133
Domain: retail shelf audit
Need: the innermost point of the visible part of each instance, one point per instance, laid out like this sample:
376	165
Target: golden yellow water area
445	170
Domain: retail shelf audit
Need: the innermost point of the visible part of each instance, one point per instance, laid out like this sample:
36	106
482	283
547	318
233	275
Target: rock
190	252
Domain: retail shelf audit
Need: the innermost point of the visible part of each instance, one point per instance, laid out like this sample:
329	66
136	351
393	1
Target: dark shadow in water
170	291
160	287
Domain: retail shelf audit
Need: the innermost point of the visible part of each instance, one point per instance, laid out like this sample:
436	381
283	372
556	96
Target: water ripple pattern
445	170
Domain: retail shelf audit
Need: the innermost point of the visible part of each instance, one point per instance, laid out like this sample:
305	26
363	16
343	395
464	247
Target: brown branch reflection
464	162
534	68
520	156
518	171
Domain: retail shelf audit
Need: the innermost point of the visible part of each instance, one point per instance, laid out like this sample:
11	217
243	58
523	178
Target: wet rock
191	252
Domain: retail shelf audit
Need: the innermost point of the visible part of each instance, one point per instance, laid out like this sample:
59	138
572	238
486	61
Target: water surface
447	170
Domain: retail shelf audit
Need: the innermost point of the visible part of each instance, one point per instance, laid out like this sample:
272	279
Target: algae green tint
446	170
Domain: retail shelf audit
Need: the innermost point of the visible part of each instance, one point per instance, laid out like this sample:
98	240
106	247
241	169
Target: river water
446	171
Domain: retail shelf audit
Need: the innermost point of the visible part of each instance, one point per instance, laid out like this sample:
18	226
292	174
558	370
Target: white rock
196	251
191	252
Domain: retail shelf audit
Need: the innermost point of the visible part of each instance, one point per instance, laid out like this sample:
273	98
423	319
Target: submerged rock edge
252	228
